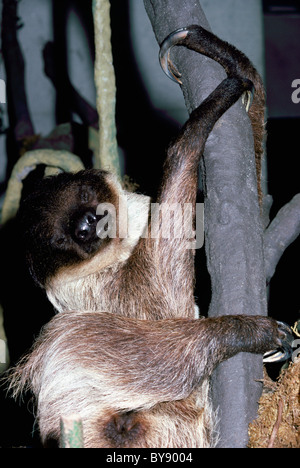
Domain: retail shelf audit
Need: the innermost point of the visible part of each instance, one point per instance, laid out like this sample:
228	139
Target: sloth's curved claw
175	38
284	352
247	99
275	356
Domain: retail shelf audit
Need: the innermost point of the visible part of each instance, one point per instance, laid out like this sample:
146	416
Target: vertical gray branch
234	237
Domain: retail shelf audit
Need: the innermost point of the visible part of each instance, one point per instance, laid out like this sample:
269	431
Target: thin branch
283	230
276	425
19	114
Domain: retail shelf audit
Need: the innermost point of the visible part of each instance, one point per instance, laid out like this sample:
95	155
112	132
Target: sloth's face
59	221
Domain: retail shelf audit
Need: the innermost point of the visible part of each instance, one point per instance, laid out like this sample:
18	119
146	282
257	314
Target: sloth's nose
85	227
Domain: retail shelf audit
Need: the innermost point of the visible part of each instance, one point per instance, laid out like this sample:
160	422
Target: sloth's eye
60	241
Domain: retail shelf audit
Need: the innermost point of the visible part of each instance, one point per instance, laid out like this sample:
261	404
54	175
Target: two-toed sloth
125	352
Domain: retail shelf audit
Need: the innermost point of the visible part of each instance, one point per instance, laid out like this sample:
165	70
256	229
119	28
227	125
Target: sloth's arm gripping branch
137	363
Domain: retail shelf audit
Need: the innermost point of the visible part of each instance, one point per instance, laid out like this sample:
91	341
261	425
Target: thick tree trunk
233	230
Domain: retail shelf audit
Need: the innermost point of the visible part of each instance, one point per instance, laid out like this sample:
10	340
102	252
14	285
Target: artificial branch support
283	230
233	228
108	157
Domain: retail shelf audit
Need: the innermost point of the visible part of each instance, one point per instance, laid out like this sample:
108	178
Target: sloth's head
60	223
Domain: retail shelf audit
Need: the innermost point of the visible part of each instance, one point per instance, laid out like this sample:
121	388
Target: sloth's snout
84	227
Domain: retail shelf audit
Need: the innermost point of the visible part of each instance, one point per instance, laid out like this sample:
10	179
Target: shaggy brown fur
126	352
135	383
